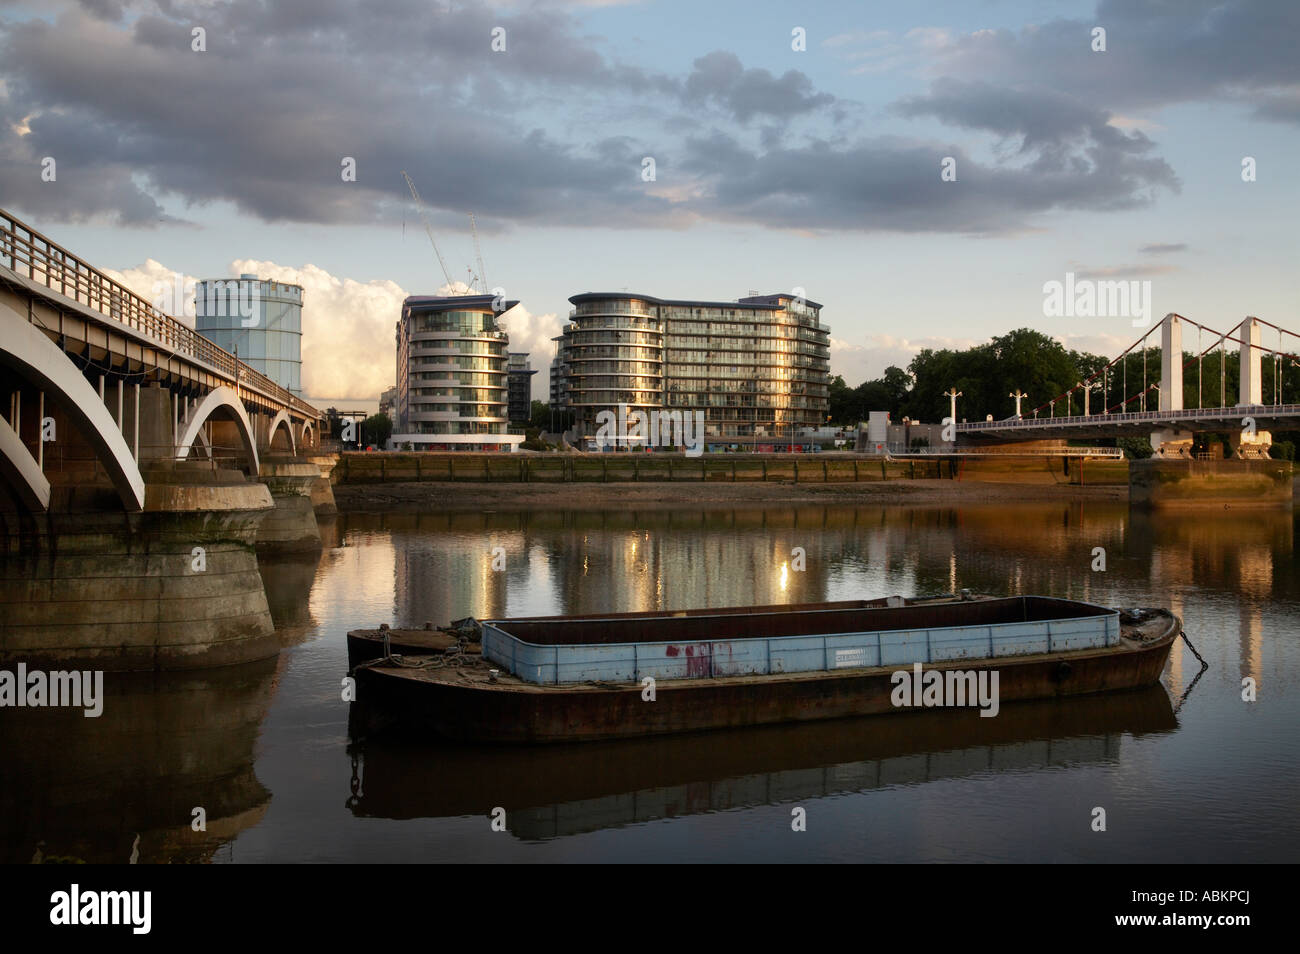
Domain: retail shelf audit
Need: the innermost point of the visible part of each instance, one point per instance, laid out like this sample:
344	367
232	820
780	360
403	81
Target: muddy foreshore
425	495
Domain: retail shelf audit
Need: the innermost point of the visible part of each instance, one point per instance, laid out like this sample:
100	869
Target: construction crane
478	253
424	217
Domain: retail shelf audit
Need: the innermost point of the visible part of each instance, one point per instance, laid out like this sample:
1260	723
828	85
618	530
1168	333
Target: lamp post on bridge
953	394
1019	395
1087	392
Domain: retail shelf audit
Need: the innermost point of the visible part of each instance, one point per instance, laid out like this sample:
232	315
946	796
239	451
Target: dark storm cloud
1158	52
1044	120
892	184
1089	163
721	79
266	115
553	131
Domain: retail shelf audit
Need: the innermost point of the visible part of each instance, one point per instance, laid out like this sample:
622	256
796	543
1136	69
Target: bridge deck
1264	416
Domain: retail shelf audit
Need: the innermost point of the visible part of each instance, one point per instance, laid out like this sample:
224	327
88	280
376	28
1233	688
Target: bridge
99	380
143	470
1169	425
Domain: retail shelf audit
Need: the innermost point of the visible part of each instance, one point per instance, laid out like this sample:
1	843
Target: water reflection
604	561
288	580
85	789
553	791
125	784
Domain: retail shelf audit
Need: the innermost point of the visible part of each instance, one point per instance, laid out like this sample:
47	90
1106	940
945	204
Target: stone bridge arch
25	350
220	404
281	420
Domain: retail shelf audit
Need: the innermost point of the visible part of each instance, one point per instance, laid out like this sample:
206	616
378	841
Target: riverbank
426	496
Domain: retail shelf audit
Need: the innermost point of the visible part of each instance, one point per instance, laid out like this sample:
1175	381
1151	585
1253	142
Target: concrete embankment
1161	484
418	481
372	468
425	497
384	468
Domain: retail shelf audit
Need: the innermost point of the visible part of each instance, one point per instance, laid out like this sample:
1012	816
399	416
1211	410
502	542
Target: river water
1187	771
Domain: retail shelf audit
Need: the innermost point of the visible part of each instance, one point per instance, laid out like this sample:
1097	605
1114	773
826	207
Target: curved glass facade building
758	368
452	375
258	319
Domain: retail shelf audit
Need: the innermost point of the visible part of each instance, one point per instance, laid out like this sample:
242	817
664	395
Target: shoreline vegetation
477	496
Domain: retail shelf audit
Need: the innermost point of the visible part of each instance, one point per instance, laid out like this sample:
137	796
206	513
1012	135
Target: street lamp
1019	395
953	394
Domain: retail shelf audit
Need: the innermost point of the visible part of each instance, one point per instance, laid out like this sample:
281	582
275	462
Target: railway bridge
142	468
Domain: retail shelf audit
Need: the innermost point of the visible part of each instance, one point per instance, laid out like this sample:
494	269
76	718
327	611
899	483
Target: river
1185	772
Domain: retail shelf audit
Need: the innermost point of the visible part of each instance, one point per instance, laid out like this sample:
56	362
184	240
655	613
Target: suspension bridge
1140	396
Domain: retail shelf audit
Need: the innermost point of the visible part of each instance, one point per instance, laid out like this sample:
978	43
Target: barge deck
473	698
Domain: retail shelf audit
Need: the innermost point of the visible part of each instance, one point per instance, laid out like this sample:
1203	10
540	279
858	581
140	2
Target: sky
798	146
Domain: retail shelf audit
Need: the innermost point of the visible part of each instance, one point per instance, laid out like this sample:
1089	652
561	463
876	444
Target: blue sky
775	168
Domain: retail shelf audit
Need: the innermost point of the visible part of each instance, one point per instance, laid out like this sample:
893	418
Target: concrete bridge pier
322	491
291	526
1250	445
174	586
1172	443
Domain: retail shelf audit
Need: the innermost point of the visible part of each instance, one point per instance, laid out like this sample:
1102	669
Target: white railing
32	255
1185	414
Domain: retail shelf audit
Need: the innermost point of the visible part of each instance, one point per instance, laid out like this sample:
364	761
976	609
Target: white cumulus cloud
349	351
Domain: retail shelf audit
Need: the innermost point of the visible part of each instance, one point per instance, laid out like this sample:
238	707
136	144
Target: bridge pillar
1250	445
157	414
1171	364
322	489
174	586
1172	442
292	526
1252	384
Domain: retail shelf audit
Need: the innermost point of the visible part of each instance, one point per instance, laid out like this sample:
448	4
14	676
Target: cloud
1126	271
1157	54
349	350
720	78
553	130
1163	248
264	118
894	184
169	291
533	334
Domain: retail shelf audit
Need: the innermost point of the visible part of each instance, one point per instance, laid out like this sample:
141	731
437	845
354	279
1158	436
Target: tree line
1039	366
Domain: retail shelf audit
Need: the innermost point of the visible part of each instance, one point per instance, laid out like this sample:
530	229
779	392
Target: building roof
771	302
431	303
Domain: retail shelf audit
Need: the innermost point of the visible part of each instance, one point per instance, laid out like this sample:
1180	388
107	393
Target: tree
543	418
376	429
843	403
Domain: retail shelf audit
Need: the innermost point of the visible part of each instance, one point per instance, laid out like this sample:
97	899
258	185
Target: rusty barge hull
465	704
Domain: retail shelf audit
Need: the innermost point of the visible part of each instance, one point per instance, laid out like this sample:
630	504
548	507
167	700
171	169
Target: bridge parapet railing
1244	410
37	258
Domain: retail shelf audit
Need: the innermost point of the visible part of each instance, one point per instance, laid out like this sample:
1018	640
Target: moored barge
564	679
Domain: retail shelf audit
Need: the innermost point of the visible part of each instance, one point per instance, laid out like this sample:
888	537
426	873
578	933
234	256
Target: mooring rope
1195	679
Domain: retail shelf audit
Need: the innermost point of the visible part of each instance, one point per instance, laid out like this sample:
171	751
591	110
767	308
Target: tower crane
424	217
478	253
